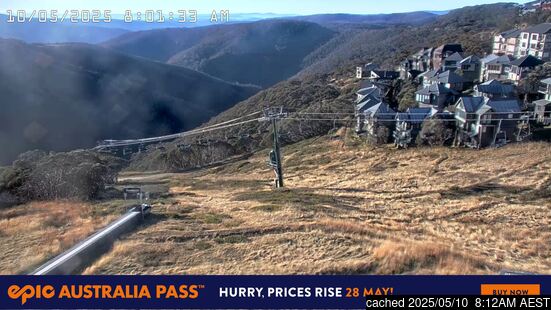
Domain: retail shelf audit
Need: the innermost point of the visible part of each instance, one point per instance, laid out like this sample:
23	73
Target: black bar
458	301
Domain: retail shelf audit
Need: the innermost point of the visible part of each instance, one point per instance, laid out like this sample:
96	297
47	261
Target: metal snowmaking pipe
77	257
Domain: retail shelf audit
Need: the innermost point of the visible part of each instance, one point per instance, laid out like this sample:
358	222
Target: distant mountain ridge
36	32
67	96
261	53
393	18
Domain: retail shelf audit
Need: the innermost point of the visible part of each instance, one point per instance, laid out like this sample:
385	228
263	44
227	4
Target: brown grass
32	233
348	209
428	258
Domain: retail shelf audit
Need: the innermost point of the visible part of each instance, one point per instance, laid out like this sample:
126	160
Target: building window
534	37
523	53
523	44
533	45
525	36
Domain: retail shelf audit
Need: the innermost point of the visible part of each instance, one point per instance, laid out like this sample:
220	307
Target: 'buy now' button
510	289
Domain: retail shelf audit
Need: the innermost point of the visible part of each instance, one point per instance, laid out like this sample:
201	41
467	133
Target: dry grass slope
35	232
350	209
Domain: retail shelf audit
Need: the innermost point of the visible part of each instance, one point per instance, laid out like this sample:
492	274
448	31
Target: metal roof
481	105
367	103
472	104
449	77
470	59
416	115
505	106
373	90
527	61
430	73
455	56
489	58
540	28
495	87
500	60
434	89
381	108
513	33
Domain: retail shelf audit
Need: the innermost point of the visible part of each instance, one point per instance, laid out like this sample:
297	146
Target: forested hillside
327	84
261	53
67	96
473	27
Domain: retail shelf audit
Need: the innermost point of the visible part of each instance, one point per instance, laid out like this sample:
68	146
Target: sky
295	7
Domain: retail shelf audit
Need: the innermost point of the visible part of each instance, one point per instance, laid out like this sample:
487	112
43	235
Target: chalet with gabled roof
371	91
542	111
409	124
372	113
485	122
545	88
522	66
436	96
495	67
470	71
452	62
444	51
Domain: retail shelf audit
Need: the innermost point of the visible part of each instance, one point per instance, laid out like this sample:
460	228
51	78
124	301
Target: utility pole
274	114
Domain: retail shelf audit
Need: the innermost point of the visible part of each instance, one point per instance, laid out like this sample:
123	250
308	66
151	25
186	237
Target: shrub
434	132
406	96
381	136
181	157
36	175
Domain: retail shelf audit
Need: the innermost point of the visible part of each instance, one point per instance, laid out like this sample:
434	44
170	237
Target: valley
69	96
274	48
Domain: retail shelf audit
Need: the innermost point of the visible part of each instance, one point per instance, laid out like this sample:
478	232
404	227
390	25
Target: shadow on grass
222	184
303	199
488	189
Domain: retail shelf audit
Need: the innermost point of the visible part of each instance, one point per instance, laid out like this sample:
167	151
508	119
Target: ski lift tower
274	115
